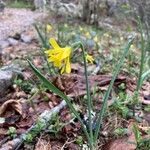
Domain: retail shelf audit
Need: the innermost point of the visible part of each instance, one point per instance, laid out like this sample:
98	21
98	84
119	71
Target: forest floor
27	98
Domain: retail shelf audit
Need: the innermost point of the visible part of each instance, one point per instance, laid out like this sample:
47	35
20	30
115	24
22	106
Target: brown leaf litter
74	85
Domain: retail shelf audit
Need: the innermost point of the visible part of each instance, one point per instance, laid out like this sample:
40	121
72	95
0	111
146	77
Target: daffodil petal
95	39
62	70
68	65
54	44
66	52
89	58
48	28
57	64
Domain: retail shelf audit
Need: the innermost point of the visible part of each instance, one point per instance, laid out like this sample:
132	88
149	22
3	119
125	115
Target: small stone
26	38
7	75
4	44
12	41
39	4
5	81
90	43
17	36
66	8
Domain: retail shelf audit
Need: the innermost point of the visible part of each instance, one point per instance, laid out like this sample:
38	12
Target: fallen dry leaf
43	145
56	145
25	123
13	104
74	85
122	144
3	131
125	143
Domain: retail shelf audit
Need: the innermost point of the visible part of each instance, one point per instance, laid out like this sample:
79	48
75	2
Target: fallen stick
44	119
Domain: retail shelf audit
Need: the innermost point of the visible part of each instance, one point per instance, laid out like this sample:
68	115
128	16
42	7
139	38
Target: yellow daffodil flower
95	39
66	26
87	35
48	28
73	33
133	46
121	38
107	35
59	56
89	58
80	28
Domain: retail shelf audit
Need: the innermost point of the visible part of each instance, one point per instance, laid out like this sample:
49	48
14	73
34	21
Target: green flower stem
89	102
106	96
88	94
45	45
139	82
44	42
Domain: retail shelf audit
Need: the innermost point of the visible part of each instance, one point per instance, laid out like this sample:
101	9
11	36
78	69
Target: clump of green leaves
34	131
141	143
25	85
12	132
120	131
54	125
121	104
79	140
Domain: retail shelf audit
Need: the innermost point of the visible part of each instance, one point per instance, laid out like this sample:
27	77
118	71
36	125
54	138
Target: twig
45	117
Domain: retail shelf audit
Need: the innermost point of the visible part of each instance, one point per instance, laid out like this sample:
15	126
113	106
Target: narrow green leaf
106	96
137	133
45	45
44	42
55	90
89	102
144	76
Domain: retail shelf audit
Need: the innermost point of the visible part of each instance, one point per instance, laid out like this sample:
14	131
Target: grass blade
144	76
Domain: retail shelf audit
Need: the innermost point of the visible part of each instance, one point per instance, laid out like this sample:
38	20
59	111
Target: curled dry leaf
13	104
